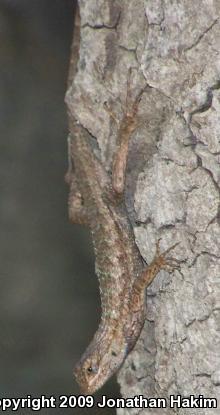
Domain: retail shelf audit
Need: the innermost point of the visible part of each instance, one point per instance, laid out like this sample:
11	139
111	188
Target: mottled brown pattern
119	266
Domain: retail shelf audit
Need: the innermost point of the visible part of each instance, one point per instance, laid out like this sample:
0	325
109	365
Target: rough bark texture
173	176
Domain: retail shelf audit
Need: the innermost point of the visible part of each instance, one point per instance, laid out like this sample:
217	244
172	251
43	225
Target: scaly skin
119	266
99	204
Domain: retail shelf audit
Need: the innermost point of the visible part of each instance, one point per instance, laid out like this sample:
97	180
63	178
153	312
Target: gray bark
173	176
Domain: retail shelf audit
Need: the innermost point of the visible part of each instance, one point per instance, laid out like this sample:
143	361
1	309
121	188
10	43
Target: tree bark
172	179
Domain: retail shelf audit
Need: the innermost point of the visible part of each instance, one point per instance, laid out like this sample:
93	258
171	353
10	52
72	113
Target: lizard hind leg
76	208
127	126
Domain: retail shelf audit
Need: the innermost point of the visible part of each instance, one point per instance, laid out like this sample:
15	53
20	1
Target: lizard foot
165	262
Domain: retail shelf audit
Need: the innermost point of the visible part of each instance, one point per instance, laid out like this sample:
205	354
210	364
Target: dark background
49	302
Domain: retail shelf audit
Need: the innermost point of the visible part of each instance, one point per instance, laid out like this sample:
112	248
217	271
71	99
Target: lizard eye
91	369
114	353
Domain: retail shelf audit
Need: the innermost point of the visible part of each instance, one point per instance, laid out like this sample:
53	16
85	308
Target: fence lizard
94	201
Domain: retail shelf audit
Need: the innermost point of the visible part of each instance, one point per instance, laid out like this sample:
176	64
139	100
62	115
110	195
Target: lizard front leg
160	261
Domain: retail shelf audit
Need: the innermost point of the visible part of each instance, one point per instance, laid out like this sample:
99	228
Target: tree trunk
172	178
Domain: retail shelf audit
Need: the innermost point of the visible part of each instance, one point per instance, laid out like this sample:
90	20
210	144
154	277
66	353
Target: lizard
97	200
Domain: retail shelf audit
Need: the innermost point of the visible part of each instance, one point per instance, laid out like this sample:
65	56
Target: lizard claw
166	263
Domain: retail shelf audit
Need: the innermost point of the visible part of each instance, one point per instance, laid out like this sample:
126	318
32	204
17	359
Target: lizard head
99	362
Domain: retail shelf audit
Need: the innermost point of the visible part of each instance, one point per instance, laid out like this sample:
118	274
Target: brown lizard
122	276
